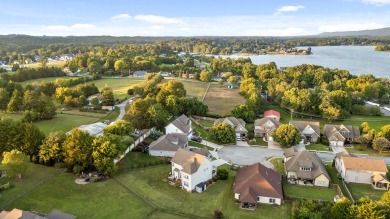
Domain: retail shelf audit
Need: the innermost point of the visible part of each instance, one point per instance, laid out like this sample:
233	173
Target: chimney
196	161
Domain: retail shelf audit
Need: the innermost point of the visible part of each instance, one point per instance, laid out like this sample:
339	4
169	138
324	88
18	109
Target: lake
356	59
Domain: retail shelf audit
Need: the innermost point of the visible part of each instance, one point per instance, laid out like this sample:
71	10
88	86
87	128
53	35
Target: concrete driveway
242	155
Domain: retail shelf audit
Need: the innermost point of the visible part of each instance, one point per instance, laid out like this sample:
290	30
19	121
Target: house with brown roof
167	145
192	170
265	127
306	168
310	131
272	114
257	184
362	170
181	124
237	124
337	135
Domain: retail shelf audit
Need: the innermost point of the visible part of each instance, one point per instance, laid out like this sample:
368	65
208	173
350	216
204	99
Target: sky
190	18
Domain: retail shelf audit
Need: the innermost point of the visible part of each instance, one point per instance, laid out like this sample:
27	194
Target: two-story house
272	114
337	135
265	127
193	170
305	168
310	131
167	145
362	170
181	124
237	124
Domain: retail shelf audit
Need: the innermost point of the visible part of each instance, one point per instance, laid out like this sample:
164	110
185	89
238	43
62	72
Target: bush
359	148
215	178
155	134
218	214
77	169
60	165
222	174
252	141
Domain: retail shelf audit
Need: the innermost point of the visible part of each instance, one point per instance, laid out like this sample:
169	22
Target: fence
136	142
349	193
196	119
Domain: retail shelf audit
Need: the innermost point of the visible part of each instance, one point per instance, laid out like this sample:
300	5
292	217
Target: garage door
340	143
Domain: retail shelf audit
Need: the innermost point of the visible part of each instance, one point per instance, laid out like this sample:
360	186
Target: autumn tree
223	133
170	88
15	163
4	99
120	127
380	144
51	150
287	135
107	97
77	148
15	104
205	76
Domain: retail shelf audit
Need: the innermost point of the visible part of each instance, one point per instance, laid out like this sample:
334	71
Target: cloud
74	27
121	17
157	19
349	27
376	2
290	9
157	27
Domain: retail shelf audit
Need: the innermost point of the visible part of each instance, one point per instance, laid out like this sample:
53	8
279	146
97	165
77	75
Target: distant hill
375	33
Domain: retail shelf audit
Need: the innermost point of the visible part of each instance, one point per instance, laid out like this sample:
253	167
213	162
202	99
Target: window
185	183
272	201
258	199
305	169
356	179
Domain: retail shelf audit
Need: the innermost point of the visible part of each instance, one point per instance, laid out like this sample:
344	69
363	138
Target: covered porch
379	181
248	206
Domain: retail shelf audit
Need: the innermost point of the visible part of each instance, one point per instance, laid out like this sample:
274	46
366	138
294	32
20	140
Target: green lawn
195	88
364	150
40	80
279	165
362	190
317	147
148	182
14	116
64	123
199	145
333	176
206	123
260	142
310	192
133	159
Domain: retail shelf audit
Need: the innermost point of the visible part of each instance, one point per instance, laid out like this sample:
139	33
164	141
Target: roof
269	113
203	151
380	178
350	131
169	142
190	161
237	124
262	121
309	160
304	125
289	152
94	128
367	164
20	214
140	72
183	123
344	153
257	180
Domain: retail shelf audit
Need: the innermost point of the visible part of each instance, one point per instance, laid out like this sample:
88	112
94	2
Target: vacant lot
194	88
222	100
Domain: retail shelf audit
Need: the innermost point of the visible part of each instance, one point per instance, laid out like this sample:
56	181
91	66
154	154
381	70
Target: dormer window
305	168
343	133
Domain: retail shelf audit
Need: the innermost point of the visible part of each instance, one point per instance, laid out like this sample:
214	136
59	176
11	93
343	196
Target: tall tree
381	144
15	104
4	99
107	97
223	133
77	148
205	76
15	163
50	150
287	135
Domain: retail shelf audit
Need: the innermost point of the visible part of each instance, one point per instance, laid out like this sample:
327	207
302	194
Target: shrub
77	169
215	178
252	141
155	134
359	148
218	214
222	174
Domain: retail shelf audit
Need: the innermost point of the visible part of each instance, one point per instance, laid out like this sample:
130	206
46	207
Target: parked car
196	138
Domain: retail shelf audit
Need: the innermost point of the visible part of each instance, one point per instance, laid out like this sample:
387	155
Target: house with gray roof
21	214
257	184
191	170
181	124
338	135
310	131
265	127
238	126
167	145
306	168
140	74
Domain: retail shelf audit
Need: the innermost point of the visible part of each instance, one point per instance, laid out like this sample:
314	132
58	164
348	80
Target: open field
118	85
193	88
39	80
222	100
58	64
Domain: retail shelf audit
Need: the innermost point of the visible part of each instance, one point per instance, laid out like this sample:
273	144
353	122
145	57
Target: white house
140	74
181	124
237	124
305	168
257	184
362	170
167	145
337	135
192	169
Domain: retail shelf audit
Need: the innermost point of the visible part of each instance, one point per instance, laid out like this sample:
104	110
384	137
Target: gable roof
169	142
302	125
190	161
21	214
306	159
271	113
237	124
332	129
257	180
203	151
183	123
344	153
262	121
289	152
367	164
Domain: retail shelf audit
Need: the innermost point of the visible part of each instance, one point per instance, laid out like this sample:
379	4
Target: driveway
243	155
122	107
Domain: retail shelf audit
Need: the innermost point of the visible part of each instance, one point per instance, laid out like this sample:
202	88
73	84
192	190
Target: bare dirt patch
221	100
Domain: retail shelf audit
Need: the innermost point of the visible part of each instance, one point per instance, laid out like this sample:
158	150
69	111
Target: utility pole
292	111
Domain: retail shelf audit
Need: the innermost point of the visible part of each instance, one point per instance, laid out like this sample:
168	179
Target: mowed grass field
193	88
40	80
222	100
